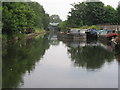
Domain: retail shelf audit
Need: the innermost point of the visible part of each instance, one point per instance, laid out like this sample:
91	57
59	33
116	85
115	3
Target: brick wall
109	27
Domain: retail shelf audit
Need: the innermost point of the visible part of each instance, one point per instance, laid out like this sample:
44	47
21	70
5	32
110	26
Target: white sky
62	7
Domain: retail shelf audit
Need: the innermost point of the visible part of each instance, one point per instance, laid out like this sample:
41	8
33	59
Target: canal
50	62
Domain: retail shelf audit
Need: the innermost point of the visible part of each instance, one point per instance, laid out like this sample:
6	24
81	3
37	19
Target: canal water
50	62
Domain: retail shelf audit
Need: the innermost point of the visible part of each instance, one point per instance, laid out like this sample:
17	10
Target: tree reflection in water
117	50
118	57
91	56
19	58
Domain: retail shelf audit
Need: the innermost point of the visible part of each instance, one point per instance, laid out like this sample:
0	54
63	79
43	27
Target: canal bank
32	35
19	37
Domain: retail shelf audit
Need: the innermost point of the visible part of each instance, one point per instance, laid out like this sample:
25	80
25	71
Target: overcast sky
62	7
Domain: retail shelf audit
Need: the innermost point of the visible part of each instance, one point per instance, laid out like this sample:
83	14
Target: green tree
55	19
110	15
16	17
77	14
118	14
95	13
91	13
46	21
39	13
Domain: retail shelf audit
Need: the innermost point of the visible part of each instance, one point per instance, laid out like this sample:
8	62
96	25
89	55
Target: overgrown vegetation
17	17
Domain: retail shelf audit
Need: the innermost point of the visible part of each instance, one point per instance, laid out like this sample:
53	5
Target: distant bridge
54	24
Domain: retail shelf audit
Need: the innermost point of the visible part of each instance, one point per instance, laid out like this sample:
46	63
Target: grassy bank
38	32
17	37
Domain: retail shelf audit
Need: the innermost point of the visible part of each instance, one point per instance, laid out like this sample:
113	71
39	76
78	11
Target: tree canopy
18	16
118	14
91	13
55	19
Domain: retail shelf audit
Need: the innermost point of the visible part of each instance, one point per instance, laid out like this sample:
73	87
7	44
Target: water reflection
118	57
50	58
89	54
52	37
117	50
19	58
